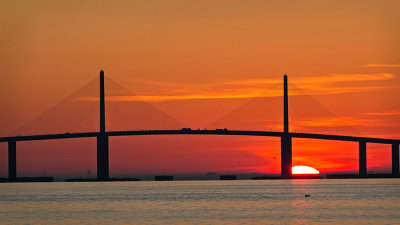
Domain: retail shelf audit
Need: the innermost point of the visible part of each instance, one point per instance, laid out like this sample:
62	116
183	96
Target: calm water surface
358	201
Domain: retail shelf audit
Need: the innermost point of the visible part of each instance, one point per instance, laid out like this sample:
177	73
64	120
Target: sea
330	201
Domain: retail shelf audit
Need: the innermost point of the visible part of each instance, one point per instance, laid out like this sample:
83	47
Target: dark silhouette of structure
362	158
395	159
12	159
102	137
286	141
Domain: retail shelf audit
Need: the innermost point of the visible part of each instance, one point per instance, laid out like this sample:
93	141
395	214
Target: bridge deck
202	132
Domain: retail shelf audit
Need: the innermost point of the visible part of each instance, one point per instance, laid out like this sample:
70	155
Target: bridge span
186	131
286	141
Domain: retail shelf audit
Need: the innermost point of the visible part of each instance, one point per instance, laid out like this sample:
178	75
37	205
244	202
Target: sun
304	170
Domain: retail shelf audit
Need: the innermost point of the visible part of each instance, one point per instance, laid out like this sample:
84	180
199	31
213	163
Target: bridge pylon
12	159
286	138
362	158
395	160
102	138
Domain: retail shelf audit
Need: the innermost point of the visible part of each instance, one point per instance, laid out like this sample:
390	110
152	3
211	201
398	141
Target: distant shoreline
188	178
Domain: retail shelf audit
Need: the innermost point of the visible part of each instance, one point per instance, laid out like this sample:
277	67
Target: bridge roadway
186	131
286	146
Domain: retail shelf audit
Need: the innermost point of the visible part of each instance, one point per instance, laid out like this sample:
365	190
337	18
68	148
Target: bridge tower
12	159
362	158
102	138
395	159
286	139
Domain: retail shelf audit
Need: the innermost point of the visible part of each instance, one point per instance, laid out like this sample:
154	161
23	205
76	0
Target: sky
197	61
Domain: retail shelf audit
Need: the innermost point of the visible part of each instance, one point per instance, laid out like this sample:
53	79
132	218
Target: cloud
382	65
337	122
152	98
249	88
392	113
331	78
253	82
324	79
326	84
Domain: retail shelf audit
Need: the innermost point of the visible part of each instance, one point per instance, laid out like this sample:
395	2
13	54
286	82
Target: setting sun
304	170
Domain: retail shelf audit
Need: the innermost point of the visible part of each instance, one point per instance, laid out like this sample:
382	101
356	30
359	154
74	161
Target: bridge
286	137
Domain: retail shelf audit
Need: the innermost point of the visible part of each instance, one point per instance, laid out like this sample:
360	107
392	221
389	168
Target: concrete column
395	160
286	156
12	159
102	104
285	105
102	157
286	139
102	138
362	157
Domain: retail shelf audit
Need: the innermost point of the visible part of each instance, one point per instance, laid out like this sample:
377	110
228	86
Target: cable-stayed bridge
102	109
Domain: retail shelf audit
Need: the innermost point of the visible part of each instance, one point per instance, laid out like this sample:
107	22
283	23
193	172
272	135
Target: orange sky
197	61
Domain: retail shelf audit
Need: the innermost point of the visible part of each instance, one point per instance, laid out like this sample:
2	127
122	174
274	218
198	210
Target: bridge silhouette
156	119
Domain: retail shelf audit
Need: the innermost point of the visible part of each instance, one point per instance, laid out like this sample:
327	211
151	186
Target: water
349	201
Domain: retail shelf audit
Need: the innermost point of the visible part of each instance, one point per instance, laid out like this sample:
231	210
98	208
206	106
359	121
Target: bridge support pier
102	138
362	158
12	159
395	160
286	156
286	139
102	157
